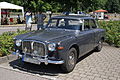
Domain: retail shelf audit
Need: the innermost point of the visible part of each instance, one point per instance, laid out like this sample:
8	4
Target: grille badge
25	49
35	52
32	45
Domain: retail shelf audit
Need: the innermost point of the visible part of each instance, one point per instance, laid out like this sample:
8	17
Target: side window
52	23
92	24
86	25
61	22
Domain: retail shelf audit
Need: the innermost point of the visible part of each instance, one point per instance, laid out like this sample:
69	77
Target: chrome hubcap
71	59
100	44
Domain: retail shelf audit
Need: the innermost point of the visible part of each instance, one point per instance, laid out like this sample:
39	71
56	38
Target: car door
85	38
96	31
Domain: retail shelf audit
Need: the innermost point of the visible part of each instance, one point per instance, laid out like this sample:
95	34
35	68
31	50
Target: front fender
67	44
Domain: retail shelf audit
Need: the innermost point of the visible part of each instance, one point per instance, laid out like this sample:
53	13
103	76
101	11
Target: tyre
70	61
99	47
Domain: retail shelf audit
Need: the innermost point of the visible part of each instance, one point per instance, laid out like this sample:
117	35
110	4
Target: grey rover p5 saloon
63	40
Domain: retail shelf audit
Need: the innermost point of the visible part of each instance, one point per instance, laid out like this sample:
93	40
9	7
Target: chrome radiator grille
33	48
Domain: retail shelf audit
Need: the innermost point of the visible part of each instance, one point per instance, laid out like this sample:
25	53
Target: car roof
73	17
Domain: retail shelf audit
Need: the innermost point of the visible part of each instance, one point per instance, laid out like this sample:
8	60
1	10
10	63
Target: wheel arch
103	38
76	47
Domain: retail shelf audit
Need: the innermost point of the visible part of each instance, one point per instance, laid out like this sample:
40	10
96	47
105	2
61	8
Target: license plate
31	60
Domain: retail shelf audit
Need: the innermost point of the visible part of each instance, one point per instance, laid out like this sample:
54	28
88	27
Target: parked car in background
63	41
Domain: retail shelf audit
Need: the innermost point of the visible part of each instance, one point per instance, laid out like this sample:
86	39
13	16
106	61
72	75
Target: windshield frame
81	22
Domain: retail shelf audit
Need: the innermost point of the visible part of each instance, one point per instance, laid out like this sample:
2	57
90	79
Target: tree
67	5
113	6
56	7
43	6
91	5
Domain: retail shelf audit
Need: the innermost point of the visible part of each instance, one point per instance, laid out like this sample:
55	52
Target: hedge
112	32
6	41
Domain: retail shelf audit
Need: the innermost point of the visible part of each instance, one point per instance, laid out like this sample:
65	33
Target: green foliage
55	6
68	5
112	32
113	6
42	6
6	41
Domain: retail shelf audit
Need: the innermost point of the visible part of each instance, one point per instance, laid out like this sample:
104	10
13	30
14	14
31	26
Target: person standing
8	19
5	20
18	19
50	14
2	20
115	14
40	20
28	21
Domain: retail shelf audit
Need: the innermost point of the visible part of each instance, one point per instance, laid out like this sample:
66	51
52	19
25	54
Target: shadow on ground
42	69
85	56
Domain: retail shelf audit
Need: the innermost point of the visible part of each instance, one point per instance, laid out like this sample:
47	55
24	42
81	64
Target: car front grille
33	48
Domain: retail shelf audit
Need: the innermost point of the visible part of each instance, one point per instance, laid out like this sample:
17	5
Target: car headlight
18	42
51	47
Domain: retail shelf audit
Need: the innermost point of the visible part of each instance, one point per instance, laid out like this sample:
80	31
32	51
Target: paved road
104	65
11	28
6	74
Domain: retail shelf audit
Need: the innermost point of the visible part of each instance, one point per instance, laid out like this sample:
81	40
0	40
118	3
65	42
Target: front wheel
70	60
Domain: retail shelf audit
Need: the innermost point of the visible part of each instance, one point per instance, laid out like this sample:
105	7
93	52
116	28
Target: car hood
46	35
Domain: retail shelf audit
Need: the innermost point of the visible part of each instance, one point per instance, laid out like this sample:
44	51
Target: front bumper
35	60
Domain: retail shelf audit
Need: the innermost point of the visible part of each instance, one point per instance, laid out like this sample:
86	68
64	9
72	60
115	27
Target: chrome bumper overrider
38	60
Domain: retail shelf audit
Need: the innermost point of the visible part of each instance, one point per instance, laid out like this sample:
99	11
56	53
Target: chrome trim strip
56	62
46	61
32	45
39	61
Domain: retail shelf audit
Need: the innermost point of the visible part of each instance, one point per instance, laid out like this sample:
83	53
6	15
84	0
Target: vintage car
62	41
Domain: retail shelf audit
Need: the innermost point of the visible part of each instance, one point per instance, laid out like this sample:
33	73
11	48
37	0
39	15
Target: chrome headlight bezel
51	46
18	43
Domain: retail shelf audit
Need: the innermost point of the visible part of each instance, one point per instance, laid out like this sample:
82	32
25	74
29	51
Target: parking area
104	65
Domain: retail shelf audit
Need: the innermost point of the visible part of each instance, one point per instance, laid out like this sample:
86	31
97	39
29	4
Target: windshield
73	24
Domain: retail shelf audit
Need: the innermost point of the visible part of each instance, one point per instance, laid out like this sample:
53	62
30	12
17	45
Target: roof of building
6	5
101	10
